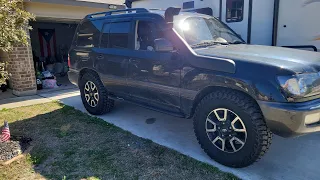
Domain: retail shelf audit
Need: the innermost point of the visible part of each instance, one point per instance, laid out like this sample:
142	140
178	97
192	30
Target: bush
3	73
13	24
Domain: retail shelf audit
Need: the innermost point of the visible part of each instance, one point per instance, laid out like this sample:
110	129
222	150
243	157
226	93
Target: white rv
290	23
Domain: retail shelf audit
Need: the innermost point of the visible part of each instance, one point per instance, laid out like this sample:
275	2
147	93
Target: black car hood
299	61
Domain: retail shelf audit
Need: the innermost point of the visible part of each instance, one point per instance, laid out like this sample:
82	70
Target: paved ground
287	159
6	95
12	102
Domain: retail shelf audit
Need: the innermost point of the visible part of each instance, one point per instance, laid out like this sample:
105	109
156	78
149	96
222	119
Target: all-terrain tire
259	136
104	104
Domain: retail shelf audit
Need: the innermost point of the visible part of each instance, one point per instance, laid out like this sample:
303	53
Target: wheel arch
210	89
83	71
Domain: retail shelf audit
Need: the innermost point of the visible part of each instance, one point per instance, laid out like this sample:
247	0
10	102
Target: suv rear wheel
230	128
94	95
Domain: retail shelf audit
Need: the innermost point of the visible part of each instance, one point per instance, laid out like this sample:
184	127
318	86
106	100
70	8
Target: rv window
234	10
188	5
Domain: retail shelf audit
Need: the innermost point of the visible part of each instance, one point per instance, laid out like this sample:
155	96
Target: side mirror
163	45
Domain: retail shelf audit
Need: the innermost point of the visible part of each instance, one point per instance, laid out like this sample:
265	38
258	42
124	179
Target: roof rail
108	13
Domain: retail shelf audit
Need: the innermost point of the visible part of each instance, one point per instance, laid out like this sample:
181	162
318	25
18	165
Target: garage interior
51	40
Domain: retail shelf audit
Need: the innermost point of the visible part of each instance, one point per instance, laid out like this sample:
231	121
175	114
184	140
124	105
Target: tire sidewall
222	157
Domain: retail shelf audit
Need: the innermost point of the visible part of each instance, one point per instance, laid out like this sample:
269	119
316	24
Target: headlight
301	85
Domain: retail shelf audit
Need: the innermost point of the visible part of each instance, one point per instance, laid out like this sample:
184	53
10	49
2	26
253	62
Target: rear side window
119	35
105	36
88	35
234	10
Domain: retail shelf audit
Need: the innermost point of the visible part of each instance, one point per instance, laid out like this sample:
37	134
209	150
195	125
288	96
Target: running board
181	115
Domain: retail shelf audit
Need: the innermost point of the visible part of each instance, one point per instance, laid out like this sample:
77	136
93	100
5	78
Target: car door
113	55
154	77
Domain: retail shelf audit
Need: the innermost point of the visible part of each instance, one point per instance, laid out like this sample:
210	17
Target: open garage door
51	40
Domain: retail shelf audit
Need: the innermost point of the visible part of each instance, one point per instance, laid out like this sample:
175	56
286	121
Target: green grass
69	144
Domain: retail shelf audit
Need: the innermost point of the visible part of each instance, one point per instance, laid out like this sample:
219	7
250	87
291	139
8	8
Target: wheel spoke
237	129
214	126
232	145
86	86
222	142
237	139
225	114
96	96
93	86
93	103
87	97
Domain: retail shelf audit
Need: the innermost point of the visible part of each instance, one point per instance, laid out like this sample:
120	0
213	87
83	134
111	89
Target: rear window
119	35
88	35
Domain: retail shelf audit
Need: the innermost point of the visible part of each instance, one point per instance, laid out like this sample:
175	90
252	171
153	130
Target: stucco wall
45	10
159	4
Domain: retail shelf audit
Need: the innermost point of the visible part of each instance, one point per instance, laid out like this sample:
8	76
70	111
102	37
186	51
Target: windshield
203	31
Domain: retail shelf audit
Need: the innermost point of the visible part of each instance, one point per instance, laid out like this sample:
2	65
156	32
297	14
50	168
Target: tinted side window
147	32
88	35
105	36
234	10
119	35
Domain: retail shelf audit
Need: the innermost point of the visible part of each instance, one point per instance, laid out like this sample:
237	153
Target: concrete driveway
287	158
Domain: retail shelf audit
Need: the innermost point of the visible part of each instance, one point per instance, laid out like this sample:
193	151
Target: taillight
69	62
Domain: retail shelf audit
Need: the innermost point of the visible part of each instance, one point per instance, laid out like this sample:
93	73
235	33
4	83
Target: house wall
262	22
158	4
20	66
59	11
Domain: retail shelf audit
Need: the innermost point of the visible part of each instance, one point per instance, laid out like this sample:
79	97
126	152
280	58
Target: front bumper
291	119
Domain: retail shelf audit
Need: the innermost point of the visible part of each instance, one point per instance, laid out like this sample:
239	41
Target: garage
50	42
51	37
45	58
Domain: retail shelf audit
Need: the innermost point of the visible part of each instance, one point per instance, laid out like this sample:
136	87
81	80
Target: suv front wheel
230	128
94	95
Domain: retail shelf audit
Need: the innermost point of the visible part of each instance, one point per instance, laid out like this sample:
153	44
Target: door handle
100	56
145	71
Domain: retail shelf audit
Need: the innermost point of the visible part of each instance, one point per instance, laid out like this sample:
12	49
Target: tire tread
264	135
107	104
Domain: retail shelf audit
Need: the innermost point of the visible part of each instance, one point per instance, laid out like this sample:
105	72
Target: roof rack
109	13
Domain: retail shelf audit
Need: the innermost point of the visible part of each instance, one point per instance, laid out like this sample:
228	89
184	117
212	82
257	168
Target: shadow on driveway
295	158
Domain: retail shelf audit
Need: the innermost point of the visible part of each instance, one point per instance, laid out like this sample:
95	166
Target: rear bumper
73	76
291	119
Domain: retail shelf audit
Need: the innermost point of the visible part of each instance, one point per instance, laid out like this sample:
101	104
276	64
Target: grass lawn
70	144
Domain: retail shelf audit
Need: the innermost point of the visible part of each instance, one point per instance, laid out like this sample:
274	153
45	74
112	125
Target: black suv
193	66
